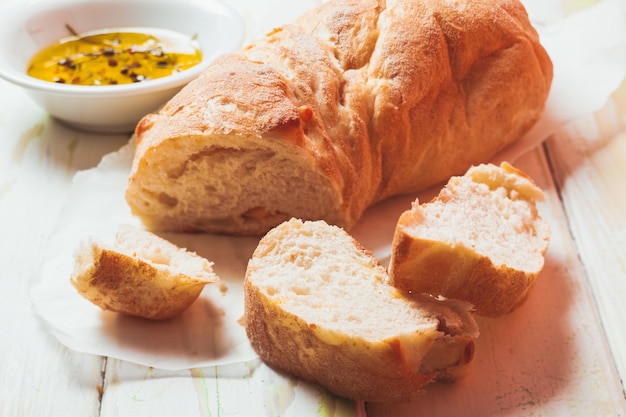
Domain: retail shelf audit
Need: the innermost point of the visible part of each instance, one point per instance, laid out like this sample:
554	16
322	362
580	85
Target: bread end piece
320	307
140	274
480	240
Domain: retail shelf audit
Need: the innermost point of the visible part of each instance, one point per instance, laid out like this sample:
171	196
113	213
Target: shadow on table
523	360
198	334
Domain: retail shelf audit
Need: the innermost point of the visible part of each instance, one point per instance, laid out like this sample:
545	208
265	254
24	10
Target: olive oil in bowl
115	56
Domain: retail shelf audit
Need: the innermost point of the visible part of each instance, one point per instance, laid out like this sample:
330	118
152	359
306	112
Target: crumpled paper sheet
589	54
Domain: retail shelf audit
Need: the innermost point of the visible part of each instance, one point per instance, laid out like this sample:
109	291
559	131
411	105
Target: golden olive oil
114	57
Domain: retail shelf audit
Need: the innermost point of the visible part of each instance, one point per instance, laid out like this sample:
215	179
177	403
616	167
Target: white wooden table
562	353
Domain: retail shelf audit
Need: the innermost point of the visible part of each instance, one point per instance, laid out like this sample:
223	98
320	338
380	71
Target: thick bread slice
354	102
319	306
480	240
140	274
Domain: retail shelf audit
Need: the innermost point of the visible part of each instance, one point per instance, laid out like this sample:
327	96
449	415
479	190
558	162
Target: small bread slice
140	274
320	307
480	240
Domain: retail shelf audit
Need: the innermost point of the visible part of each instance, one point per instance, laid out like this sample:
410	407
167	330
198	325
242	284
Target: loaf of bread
480	240
140	274
319	306
354	102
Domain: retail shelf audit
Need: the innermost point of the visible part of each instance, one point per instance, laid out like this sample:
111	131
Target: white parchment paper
588	51
589	55
208	333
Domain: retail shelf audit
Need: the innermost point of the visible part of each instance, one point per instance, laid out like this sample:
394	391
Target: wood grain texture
547	357
38	375
562	353
589	160
248	389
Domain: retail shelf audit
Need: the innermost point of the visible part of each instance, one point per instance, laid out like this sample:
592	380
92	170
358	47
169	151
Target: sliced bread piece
319	306
480	240
140	274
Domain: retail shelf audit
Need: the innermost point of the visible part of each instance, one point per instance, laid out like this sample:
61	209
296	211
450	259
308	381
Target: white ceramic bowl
28	26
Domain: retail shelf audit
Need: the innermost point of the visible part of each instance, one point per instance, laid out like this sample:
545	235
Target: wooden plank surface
550	356
575	369
38	376
589	160
248	389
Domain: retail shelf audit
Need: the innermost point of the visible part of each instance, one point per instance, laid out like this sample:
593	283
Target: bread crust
130	283
393	369
353	369
451	266
370	98
457	272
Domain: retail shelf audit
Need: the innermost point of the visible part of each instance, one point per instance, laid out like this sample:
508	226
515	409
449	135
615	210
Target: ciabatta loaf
480	240
319	306
355	101
140	274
